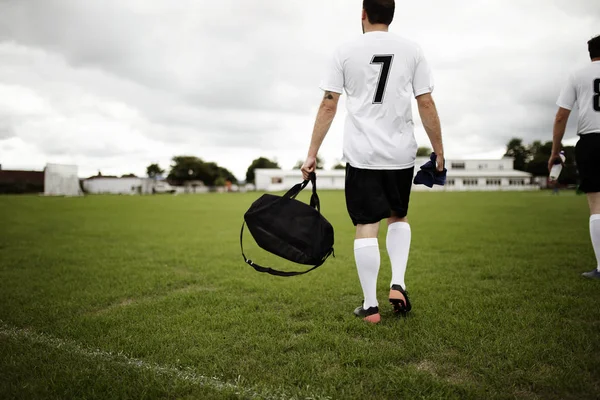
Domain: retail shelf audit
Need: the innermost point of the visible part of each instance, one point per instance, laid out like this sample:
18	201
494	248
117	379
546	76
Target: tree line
189	168
532	158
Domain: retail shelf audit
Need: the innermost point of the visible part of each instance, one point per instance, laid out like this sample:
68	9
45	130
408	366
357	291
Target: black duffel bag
290	229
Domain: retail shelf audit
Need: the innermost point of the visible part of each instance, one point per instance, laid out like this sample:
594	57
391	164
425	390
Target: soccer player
380	72
583	88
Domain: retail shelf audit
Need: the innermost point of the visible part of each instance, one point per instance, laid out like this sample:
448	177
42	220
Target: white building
128	185
482	175
273	180
463	175
61	180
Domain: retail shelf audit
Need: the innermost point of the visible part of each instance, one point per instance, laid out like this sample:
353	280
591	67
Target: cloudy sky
114	85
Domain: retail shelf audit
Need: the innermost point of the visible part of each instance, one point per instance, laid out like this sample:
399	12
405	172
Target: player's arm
560	125
431	123
566	101
325	116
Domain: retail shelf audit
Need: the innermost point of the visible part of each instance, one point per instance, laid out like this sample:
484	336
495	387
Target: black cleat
399	300
595	274
370	315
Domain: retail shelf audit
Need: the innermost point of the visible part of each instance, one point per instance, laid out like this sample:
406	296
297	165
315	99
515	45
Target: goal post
61	180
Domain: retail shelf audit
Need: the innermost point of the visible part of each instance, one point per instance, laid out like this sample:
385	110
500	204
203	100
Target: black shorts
587	157
373	195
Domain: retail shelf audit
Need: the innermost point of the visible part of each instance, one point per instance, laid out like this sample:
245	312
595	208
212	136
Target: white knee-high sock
398	246
366	253
595	235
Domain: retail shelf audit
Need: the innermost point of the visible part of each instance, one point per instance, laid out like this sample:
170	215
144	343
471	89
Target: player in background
583	88
380	73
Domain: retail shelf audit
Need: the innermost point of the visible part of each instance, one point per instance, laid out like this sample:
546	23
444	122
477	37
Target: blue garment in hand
428	175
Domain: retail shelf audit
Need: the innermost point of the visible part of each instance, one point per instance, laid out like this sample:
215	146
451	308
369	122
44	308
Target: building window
501	167
450	182
493	182
458	165
276	180
483	166
470	182
516	182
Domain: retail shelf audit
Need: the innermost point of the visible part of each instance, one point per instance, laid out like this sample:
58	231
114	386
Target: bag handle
314	198
272	271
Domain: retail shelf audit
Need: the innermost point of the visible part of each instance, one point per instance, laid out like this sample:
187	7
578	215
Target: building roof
8	176
102	177
116	179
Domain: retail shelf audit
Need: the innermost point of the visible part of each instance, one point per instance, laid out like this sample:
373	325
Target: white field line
186	374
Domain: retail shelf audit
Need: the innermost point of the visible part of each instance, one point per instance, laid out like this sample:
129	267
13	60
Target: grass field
148	297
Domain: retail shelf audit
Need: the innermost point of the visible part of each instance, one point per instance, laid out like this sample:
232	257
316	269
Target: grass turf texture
500	309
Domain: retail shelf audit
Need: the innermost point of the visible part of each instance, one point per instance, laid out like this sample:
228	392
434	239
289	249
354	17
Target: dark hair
594	47
379	11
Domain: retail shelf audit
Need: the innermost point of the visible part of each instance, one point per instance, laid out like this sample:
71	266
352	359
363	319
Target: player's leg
586	150
366	206
398	188
368	260
398	247
594	203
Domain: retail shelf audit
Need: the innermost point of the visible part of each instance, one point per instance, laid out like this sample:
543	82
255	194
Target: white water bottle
557	167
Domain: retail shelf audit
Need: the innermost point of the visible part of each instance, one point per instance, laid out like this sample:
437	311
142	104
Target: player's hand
552	160
439	162
308	167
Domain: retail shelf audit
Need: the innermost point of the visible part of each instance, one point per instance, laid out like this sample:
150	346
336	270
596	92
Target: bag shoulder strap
272	271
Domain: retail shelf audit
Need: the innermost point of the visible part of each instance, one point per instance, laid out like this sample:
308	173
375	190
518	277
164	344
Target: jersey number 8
597	95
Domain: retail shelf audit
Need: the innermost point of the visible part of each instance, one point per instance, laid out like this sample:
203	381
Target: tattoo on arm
328	95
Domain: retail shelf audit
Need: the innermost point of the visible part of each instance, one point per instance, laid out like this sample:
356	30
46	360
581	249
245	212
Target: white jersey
380	72
583	88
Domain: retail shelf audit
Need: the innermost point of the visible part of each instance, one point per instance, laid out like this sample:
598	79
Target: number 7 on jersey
386	66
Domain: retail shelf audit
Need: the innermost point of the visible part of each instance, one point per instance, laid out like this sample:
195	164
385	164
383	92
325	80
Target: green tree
220	181
424	152
187	168
153	170
538	158
217	171
262	163
339	166
190	168
518	152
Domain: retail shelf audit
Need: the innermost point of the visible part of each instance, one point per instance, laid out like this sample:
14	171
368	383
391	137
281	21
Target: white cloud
116	85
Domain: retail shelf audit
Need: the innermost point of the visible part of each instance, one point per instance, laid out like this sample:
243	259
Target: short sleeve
422	78
568	95
333	79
